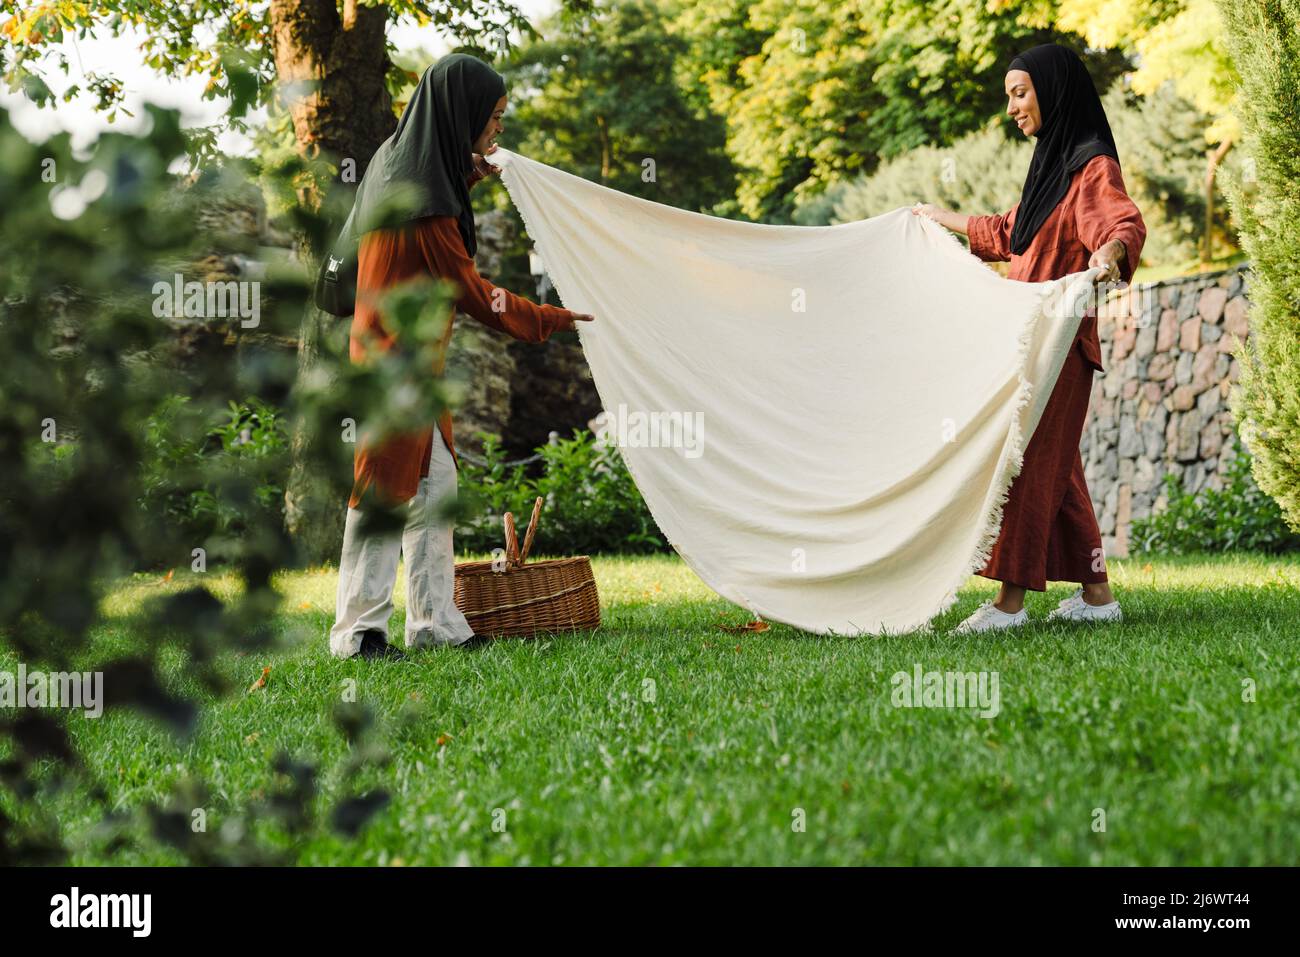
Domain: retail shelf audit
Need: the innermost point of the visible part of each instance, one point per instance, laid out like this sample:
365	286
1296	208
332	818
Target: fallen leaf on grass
442	739
756	625
260	683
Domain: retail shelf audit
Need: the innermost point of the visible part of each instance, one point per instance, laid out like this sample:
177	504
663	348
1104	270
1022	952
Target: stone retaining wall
1161	407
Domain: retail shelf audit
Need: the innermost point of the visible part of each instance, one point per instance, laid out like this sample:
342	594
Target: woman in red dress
427	166
1074	214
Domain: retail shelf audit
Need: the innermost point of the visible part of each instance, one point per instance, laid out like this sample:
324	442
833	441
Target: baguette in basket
523	599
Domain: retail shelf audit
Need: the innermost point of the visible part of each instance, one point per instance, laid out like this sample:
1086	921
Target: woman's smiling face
493	128
1022	102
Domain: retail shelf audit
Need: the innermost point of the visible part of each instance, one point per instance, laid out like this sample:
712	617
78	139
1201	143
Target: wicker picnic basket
520	599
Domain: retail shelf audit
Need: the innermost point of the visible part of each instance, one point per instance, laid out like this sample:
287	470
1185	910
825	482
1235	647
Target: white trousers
368	569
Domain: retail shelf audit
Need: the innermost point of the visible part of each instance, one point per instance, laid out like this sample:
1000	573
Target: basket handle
532	530
512	540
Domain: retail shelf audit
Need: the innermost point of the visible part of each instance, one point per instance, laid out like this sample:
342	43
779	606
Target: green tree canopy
598	97
328	62
1173	41
815	91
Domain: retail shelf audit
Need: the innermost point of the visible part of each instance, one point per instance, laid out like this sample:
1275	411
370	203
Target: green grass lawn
663	739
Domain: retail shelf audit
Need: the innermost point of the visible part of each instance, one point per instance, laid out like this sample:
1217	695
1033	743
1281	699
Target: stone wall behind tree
1161	407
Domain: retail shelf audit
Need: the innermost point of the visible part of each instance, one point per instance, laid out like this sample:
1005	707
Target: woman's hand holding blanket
1109	257
482	168
944	217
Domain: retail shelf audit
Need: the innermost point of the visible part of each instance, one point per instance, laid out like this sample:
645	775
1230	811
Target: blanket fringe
991	526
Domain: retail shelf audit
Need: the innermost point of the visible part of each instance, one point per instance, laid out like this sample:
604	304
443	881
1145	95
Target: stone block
1183	398
1141	505
1125	339
1146	342
1235	322
1203	368
1211	303
1188	439
1144	474
1208	404
1211	439
1130	440
1153	439
1167	330
1160	367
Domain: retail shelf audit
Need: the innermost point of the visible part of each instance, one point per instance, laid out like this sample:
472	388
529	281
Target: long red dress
390	472
1049	530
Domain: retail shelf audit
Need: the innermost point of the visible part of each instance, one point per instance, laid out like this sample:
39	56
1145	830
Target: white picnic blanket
840	410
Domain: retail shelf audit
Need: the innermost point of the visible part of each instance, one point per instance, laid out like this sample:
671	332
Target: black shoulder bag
336	283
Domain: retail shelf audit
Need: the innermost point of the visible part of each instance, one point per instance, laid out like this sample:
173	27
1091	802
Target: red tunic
390	472
1049	530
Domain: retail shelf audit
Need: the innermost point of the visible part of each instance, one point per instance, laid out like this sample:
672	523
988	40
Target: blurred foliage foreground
101	430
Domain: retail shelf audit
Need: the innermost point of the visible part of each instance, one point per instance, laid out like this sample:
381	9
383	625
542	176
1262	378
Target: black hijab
421	169
1074	130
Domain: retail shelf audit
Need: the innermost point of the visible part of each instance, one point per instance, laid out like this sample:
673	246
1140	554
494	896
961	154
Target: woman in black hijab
425	167
412	219
1074	214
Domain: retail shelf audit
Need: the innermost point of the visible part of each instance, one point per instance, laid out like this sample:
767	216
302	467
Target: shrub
591	503
89	425
1238	517
186	471
981	173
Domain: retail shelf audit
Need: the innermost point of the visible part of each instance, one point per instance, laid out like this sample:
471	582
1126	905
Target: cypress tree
1264	40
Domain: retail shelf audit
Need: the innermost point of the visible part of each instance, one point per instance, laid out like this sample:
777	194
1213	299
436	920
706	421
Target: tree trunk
331	71
1215	157
606	158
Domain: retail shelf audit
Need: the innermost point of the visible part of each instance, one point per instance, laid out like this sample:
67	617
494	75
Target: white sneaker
1075	608
989	617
